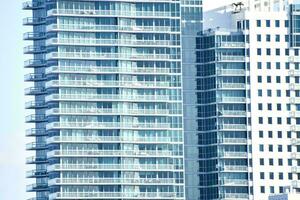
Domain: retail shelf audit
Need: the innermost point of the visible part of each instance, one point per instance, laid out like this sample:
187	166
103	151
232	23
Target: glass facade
107	99
222	116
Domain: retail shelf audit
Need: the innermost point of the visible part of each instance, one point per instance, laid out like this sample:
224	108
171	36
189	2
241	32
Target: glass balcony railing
233	182
231	72
111	139
232	127
115	111
231	154
96	181
231	86
232	58
35	146
35	104
97	56
232	140
231	44
239	196
109	42
35	91
228	113
233	168
136	195
94	27
100	70
104	97
35	118
35	160
123	153
35	132
37	187
34	77
34	21
107	125
36	173
111	83
231	100
114	167
34	49
34	36
32	5
105	13
34	63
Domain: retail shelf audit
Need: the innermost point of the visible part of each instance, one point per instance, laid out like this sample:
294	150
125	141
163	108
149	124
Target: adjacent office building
106	98
248	96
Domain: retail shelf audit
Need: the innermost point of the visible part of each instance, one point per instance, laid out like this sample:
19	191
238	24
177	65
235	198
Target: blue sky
12	128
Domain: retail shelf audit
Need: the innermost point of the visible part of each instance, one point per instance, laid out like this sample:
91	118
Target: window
280	176
287	65
261	161
259	79
260	120
268	65
286	23
259	52
277	65
287	52
287	38
278	93
262	175
259	93
280	161
296	52
277	38
290	176
269	79
279	120
269	106
269	93
279	134
272	189
268	23
277	23
262	189
278	79
261	134
270	148
259	37
277	52
268	51
289	148
290	162
279	148
259	65
270	134
261	148
258	23
287	79
260	106
288	93
271	175
268	37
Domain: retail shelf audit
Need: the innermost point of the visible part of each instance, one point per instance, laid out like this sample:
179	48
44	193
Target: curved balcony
35	91
36	160
112	83
232	127
29	21
107	125
233	168
35	118
37	187
231	72
32	63
34	132
231	86
231	100
112	181
34	77
109	28
109	153
232	141
105	13
232	113
34	36
231	154
233	182
118	195
105	111
110	139
109	70
35	146
107	97
224	58
114	167
231	45
35	104
109	42
36	173
33	5
34	49
109	56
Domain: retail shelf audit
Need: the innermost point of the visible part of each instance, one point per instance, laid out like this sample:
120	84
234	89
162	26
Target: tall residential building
248	93
106	97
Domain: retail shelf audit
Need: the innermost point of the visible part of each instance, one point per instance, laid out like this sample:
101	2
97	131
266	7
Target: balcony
34	49
112	181
112	83
232	127
33	5
232	141
231	196
35	118
114	167
107	97
232	113
108	42
231	45
104	70
110	28
105	13
29	21
35	146
36	160
109	153
35	105
224	58
108	125
118	195
231	86
231	154
34	77
34	36
231	100
111	139
35	91
231	72
233	182
36	173
34	132
34	63
233	168
109	56
37	187
105	111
